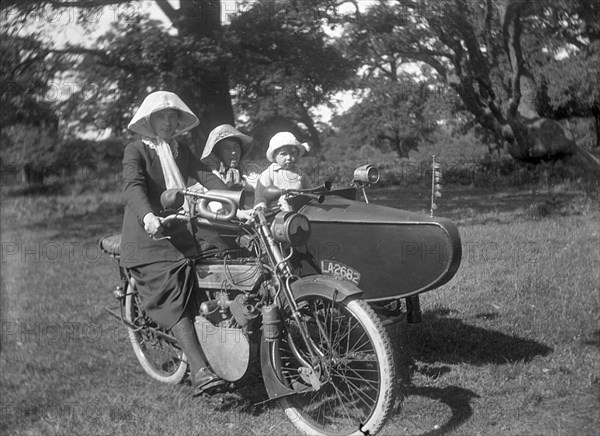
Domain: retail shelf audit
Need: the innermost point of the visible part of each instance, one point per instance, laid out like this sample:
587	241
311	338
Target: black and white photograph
300	217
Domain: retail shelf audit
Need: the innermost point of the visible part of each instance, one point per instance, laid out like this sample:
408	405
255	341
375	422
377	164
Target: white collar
153	144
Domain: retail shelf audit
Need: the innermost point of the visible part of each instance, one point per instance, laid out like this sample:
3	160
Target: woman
161	266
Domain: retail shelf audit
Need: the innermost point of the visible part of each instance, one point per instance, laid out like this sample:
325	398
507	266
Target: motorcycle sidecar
389	253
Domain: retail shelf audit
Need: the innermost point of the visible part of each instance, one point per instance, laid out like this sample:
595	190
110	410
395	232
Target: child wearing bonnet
284	152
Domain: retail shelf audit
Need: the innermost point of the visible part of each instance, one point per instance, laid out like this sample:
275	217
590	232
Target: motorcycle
322	351
287	303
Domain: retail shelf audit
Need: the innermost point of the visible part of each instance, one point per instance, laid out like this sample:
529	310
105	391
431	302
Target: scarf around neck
171	173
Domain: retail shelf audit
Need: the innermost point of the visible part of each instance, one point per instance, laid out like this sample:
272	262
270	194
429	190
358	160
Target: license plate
339	270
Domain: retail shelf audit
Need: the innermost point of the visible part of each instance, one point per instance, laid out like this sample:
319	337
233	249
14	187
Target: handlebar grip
319	197
175	217
172	199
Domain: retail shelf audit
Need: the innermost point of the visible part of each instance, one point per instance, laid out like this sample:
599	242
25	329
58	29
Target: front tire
160	358
355	368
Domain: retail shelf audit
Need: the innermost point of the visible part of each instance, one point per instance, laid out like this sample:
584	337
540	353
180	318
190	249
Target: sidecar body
389	253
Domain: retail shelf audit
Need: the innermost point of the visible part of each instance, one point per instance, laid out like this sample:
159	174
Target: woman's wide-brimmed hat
158	101
222	132
282	139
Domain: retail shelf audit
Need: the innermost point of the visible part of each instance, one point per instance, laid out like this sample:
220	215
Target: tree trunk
312	130
201	19
596	112
32	174
264	131
531	138
399	146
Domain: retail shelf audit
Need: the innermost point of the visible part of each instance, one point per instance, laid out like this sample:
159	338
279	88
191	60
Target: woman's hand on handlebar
152	224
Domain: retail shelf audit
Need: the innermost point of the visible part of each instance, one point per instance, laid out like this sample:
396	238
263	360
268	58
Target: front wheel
354	365
159	355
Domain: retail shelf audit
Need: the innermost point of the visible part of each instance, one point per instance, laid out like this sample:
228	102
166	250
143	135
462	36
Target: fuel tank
389	253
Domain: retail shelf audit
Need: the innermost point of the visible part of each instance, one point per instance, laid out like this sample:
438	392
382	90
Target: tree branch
105	59
426	57
76	50
171	13
511	28
84	4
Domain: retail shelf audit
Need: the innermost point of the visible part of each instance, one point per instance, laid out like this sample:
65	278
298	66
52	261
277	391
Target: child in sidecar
284	151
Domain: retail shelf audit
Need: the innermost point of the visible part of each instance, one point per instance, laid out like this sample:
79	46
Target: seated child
284	151
225	149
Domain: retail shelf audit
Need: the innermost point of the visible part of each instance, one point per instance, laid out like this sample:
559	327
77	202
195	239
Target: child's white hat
282	139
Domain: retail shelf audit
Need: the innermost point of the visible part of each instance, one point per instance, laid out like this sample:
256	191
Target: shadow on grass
439	341
251	399
457	399
594	340
439	338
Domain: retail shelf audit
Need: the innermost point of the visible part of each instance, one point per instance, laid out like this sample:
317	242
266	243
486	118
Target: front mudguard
325	286
318	285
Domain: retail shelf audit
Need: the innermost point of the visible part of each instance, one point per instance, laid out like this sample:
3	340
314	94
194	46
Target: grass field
511	345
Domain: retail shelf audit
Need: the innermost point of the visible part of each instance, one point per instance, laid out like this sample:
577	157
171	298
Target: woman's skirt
166	289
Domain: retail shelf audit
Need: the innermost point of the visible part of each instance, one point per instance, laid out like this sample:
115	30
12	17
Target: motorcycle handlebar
319	197
272	192
174	217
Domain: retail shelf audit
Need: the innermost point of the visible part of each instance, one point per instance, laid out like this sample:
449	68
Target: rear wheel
160	356
354	368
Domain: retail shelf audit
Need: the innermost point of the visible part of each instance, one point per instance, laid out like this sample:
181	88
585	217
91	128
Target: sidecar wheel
160	359
355	368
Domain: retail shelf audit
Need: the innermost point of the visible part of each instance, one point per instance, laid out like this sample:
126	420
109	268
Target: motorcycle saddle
111	244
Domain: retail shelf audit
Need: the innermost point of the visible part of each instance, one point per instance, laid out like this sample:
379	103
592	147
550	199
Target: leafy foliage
479	49
283	66
571	85
279	62
26	71
136	58
393	116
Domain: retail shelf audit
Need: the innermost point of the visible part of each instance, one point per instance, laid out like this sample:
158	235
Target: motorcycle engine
244	311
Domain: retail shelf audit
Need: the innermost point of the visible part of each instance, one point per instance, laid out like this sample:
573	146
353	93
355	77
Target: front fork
282	266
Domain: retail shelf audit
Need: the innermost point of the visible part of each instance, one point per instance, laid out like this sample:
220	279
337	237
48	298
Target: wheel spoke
361	394
348	379
349	369
158	355
341	401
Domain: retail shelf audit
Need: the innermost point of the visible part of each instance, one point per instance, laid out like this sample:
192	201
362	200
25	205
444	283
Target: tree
562	46
276	57
133	58
26	70
198	24
283	67
28	120
570	87
475	47
394	115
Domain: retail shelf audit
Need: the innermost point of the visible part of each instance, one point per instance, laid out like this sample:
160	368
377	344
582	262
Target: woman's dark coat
143	183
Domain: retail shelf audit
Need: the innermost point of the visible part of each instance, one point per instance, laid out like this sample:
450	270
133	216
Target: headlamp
291	227
366	174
